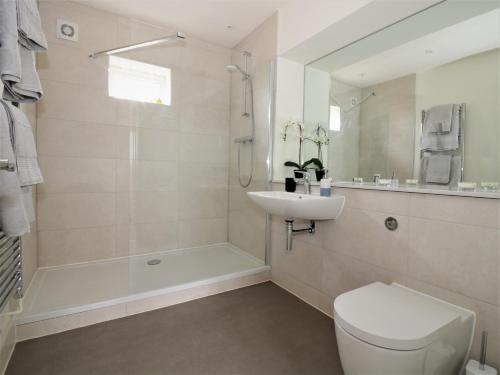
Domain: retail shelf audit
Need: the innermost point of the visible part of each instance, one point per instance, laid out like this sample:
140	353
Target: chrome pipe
179	35
290	231
289	235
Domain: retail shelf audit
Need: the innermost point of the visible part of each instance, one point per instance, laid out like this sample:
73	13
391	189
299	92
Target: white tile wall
123	177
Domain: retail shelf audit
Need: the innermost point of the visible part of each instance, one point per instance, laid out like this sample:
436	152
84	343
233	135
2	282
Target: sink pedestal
290	232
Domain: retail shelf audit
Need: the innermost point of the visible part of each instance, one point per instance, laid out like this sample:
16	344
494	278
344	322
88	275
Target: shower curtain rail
179	35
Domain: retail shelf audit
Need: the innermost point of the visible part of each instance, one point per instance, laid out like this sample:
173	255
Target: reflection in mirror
414	104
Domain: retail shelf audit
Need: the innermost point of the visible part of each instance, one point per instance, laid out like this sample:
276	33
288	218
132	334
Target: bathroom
169	237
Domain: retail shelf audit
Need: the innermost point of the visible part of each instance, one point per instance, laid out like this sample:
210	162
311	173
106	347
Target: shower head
233	68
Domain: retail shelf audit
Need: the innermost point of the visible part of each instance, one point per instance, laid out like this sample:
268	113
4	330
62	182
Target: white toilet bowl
391	329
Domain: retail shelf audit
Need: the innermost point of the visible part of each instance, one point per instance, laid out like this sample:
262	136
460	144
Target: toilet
391	329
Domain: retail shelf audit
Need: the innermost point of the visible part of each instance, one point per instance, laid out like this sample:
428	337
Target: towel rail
6	165
461	139
11	253
11	280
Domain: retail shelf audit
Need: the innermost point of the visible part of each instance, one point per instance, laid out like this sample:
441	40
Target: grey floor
260	329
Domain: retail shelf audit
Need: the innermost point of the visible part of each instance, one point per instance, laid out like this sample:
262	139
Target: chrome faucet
306	180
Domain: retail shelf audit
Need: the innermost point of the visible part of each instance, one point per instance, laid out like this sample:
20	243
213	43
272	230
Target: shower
247	80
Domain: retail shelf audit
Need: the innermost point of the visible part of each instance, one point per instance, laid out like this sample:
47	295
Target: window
134	80
335	118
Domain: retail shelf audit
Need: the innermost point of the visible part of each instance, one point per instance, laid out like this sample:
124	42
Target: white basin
298	206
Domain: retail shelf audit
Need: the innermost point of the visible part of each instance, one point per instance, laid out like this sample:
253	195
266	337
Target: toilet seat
395	317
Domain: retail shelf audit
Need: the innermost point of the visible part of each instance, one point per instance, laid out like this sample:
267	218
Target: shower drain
154	262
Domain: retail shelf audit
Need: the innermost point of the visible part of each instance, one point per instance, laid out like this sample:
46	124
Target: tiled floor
260	329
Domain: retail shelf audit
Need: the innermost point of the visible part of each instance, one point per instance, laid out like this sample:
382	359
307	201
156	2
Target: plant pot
298	173
320	173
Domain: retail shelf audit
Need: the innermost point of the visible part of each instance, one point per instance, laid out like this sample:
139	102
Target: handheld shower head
233	68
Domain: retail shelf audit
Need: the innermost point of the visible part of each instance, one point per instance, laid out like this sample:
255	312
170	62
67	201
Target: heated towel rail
11	281
461	139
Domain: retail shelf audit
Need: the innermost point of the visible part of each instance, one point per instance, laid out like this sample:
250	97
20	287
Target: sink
298	206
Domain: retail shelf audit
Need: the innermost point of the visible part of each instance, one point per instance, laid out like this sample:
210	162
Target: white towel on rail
29	25
14	220
433	141
26	87
438	169
17	61
455	171
28	169
439	119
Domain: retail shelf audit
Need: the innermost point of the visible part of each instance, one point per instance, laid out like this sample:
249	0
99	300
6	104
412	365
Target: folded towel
434	141
439	119
455	171
10	57
17	61
438	169
26	87
14	219
28	169
29	25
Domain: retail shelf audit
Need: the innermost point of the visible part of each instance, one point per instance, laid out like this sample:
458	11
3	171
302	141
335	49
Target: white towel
438	169
433	141
17	61
29	25
26	87
455	171
10	57
14	220
28	169
439	119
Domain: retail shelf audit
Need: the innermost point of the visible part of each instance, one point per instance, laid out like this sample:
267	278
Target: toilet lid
395	317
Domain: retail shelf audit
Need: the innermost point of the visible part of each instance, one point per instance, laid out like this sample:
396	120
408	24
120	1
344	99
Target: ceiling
204	19
471	37
441	34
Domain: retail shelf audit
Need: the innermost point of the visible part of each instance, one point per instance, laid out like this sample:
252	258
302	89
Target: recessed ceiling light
229	27
429	51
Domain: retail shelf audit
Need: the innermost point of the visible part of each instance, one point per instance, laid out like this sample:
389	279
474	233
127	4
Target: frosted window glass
334	118
141	82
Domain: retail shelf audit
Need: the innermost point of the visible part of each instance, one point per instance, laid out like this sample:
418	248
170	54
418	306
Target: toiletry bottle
325	187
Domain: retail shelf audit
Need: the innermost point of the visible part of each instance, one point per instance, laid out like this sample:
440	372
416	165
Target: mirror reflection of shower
248	112
340	116
354	102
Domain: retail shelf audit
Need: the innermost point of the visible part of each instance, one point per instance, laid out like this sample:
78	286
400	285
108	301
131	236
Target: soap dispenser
325	187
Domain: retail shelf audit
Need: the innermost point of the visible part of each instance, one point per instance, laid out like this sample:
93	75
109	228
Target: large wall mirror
416	104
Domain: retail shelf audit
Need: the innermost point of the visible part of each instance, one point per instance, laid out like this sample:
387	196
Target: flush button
391	223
